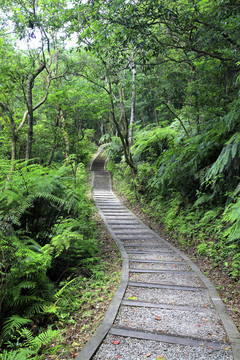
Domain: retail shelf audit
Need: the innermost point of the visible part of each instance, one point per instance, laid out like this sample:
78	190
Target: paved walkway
165	308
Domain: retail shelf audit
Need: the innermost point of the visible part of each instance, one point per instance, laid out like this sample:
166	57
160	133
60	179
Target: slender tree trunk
13	140
52	151
123	111
13	146
30	137
30	85
179	119
65	134
54	141
133	102
124	140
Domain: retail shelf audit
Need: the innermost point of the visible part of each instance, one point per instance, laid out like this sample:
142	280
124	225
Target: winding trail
164	308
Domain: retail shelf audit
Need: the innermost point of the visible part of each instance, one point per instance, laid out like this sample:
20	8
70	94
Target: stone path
165	308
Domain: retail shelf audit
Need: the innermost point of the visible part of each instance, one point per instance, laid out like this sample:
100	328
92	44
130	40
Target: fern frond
35	343
46	337
21	354
225	159
205	198
15	322
35	308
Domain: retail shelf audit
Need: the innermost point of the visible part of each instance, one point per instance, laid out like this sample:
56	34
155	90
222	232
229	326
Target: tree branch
184	128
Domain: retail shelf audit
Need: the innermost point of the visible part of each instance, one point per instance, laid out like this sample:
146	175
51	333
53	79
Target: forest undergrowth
55	259
87	303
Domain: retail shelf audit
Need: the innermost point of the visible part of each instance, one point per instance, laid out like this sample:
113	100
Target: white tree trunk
133	102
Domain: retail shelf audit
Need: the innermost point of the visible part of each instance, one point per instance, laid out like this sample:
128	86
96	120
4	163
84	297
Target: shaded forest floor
227	288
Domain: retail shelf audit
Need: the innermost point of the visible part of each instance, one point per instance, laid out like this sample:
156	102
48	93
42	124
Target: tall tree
36	23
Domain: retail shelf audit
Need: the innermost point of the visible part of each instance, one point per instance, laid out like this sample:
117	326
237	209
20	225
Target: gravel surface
168	257
145	247
134	349
129	226
131	231
146	242
177	322
158	266
131	222
101	182
184	279
168	296
143	242
131	237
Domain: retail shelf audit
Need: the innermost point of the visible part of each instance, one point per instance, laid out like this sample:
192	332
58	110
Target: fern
226	158
150	143
15	322
21	354
203	199
44	338
46	233
232	216
115	150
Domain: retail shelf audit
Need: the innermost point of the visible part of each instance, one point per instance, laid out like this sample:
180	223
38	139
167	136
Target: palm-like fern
21	354
227	159
36	342
13	323
45	235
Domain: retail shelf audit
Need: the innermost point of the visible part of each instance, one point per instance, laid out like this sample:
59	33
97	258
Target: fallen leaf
132	298
118	357
116	342
198	325
158	318
227	348
148	354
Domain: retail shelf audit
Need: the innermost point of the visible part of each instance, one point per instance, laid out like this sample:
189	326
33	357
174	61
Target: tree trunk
123	112
30	85
133	102
52	151
65	134
54	141
124	139
30	137
179	119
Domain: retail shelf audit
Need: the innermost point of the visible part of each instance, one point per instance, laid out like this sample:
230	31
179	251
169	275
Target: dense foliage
158	81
